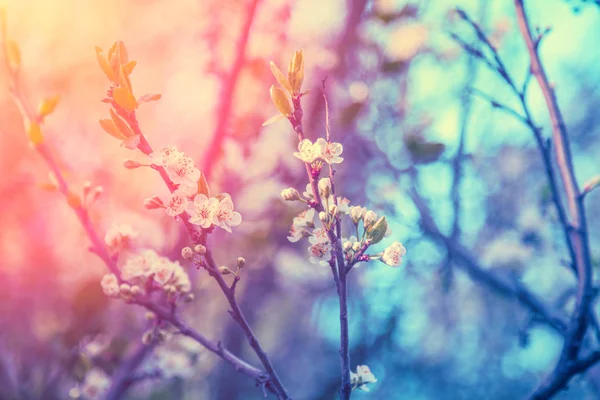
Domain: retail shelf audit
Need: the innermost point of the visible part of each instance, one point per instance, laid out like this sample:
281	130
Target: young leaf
273	119
149	97
281	78
121	125
109	126
203	185
124	98
280	100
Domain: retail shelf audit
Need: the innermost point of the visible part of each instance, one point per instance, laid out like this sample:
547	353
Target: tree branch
503	286
577	231
228	94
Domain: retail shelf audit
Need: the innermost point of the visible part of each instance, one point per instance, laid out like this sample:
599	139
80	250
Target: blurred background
400	93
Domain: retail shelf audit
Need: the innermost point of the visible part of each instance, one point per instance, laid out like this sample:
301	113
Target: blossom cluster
374	228
202	210
147	271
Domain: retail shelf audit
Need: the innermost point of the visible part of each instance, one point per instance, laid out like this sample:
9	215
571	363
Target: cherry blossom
319	253
176	204
119	237
174	363
343	205
182	171
140	266
329	152
362	377
201	210
163	271
392	255
307	151
225	216
166	156
319	236
305	218
95	385
110	285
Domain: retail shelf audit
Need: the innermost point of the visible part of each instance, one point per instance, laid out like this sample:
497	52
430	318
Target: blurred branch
261	377
122	378
228	94
577	227
505	287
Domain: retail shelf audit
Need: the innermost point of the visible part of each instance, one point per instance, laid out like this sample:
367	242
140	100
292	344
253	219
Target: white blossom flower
305	218
174	363
180	279
119	237
320	253
307	151
362	377
110	285
343	205
163	271
189	189
176	203
296	233
140	267
308	194
201	210
95	385
318	236
392	255
329	152
182	171
225	216
166	156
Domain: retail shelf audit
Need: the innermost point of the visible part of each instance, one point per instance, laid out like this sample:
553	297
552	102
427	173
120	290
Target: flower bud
333	210
224	270
147	337
241	261
131	164
324	187
187	253
323	216
200	249
347	245
124	288
150	316
369	219
377	231
135	290
356	214
290	194
189	297
154	202
356	246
